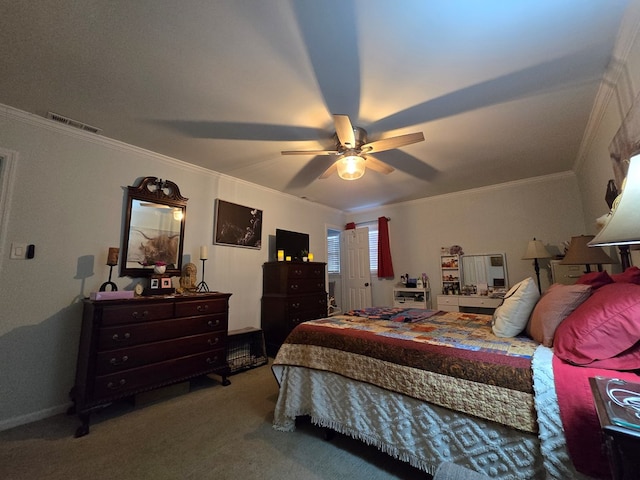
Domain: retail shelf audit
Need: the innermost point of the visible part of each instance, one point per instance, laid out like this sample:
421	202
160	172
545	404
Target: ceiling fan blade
310	152
393	142
378	165
344	130
329	171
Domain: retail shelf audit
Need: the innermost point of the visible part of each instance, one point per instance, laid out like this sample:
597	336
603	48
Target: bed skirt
422	434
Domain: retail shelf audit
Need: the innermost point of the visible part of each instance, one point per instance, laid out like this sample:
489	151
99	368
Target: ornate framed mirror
153	234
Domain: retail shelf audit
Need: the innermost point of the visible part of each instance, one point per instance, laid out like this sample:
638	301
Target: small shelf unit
412	297
450	273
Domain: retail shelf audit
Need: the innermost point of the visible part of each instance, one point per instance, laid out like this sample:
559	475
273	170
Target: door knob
366	284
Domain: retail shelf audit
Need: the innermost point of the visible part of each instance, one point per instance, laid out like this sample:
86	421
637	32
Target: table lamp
536	250
579	253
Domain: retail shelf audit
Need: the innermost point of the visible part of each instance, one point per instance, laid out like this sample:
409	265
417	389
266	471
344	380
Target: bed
428	387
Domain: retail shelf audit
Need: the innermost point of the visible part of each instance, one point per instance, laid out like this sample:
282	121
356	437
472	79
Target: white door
354	259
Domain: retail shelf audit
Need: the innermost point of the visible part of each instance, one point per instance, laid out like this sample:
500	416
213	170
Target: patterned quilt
449	359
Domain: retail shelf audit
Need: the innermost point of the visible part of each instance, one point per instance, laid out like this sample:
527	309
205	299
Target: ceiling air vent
56	117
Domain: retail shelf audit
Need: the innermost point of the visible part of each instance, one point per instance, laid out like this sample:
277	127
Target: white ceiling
501	89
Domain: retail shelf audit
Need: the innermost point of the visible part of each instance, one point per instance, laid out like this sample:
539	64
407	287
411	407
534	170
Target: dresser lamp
536	250
202	287
623	227
112	261
579	253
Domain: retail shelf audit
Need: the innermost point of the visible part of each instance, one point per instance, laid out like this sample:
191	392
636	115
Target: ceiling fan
355	151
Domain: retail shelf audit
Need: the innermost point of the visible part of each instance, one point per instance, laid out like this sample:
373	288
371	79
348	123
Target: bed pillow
604	331
630	275
552	308
511	318
595	279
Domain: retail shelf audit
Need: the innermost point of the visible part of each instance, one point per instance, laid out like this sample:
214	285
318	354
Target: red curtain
385	265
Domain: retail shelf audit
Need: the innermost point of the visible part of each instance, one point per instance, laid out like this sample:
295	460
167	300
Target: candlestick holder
109	283
202	287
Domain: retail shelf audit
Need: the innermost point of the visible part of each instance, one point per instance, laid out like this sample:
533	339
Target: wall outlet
18	251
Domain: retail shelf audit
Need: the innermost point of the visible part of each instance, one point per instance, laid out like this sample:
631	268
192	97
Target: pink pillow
552	308
630	275
595	279
603	332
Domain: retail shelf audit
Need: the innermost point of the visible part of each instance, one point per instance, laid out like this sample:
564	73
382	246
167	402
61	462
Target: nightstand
622	443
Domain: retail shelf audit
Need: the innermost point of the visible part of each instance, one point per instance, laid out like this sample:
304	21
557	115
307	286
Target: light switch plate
18	251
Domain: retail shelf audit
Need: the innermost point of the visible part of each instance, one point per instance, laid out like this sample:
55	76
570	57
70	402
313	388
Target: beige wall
67	200
620	87
497	219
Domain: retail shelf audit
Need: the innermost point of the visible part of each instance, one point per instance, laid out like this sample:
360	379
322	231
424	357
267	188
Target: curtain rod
371	221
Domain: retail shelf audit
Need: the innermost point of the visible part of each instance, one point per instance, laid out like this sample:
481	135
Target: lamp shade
350	167
623	227
536	249
579	253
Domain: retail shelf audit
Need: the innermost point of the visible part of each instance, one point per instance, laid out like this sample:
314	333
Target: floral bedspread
450	359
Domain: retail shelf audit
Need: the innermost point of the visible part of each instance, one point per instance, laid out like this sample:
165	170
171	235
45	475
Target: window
373	247
333	251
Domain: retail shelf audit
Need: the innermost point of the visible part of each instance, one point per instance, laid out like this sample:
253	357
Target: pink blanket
579	417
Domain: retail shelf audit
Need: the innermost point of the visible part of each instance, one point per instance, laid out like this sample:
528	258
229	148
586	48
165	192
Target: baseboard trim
33	417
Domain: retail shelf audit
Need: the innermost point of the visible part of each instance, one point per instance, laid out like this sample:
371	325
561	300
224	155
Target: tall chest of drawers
292	292
134	345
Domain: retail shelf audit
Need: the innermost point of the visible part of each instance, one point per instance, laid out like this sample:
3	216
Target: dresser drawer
136	312
306	303
305	285
479	302
308	270
201	307
131	357
134	380
447	300
295	318
137	333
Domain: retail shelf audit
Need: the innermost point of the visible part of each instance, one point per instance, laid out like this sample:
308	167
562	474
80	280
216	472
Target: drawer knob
117	338
114	361
294	286
213	341
295	305
116	386
211	323
202	308
137	315
213	360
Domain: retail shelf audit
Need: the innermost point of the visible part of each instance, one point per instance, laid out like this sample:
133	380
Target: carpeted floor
212	432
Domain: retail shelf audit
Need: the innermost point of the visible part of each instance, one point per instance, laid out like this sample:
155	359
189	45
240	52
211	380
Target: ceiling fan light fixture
351	167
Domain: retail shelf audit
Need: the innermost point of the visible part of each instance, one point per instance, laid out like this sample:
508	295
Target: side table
622	443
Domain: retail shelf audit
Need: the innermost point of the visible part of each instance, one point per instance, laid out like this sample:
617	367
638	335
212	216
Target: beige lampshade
623	227
579	253
536	249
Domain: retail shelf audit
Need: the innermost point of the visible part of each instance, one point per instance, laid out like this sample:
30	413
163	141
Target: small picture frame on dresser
165	282
154	283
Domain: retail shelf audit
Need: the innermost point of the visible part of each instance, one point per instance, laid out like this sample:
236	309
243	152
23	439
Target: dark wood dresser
292	292
134	345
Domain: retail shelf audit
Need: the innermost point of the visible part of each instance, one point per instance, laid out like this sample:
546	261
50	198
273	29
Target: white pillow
512	316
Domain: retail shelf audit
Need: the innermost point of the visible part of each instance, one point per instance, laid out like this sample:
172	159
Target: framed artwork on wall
236	225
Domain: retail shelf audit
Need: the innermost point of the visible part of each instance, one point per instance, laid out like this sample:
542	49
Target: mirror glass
484	273
154	229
